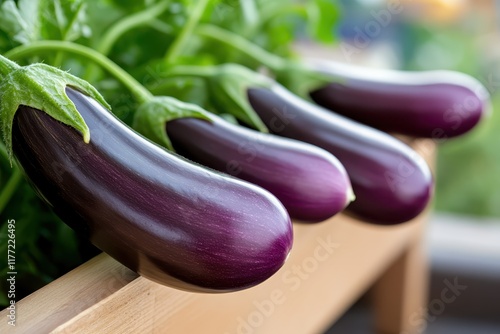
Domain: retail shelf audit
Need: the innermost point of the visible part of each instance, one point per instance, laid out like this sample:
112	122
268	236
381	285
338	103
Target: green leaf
42	87
131	5
30	12
21	23
33	20
151	118
65	20
100	16
322	17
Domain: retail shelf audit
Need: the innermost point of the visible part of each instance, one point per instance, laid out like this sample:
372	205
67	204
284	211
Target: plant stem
179	43
58	61
186	71
160	26
248	48
250	13
6	66
9	189
191	71
267	15
135	87
122	26
128	23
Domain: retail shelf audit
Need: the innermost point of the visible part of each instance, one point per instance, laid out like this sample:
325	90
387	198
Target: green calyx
302	79
229	86
152	116
42	87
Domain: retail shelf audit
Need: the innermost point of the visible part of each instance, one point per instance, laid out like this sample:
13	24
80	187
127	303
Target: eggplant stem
10	188
194	18
248	48
135	87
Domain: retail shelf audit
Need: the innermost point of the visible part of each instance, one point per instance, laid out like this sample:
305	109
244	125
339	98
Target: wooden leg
400	295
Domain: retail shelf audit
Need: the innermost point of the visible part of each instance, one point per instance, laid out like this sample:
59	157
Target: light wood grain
68	296
398	298
289	302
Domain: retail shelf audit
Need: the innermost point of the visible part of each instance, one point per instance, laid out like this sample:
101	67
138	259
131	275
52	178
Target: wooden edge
68	296
307	303
400	295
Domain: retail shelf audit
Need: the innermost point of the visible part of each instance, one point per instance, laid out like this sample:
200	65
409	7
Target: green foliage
45	247
467	171
21	22
322	18
32	20
64	20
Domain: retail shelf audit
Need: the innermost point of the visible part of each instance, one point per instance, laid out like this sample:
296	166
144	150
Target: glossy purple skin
392	183
310	182
171	221
430	104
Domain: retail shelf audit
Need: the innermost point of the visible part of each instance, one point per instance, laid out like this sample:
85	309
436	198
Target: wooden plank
330	266
400	295
68	296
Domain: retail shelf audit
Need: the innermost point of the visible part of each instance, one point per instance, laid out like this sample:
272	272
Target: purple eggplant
171	221
434	104
310	182
392	183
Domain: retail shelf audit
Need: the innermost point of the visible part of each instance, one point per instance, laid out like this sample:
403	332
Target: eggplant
310	182
392	183
432	104
162	216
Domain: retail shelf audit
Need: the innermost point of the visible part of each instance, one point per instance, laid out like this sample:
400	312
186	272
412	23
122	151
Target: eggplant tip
86	137
351	196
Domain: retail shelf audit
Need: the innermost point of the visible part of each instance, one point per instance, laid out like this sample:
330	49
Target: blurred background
463	239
